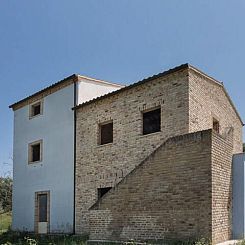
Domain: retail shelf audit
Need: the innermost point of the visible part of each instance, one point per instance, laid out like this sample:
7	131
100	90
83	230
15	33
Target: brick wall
222	186
182	191
189	101
168	196
105	165
207	100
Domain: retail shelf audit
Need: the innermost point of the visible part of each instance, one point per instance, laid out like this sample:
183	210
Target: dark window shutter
36	153
43	207
36	109
106	133
152	121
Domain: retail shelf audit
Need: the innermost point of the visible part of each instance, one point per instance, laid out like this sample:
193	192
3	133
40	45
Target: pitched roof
170	71
162	74
45	89
73	77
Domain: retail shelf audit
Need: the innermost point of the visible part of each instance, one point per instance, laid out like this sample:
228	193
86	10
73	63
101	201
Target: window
216	125
103	191
106	133
35	151
35	109
42	207
152	121
42	212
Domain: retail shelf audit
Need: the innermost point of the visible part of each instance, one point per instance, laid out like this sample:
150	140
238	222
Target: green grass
5	222
10	238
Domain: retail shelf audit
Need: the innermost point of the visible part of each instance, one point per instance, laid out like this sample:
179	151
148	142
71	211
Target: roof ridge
71	77
99	80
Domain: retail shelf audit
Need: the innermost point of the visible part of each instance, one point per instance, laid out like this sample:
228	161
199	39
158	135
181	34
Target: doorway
42	212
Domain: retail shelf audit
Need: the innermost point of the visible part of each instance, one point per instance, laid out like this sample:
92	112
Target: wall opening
103	191
152	121
106	133
35	152
35	109
216	126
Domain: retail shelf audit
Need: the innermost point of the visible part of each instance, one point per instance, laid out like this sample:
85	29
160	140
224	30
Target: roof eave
72	77
162	74
221	84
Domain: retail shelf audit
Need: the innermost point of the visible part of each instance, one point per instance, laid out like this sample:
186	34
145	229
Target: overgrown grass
10	238
5	221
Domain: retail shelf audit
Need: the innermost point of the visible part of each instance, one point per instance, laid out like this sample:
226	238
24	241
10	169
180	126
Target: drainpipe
75	124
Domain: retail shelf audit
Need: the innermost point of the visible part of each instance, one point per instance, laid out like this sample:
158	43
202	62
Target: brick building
149	161
147	164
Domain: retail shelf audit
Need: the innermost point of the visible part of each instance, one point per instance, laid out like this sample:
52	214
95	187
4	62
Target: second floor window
106	133
35	152
152	121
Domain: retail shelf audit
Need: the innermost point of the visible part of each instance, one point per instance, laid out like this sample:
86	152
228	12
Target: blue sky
123	41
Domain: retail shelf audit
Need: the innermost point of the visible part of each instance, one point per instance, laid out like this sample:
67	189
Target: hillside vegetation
5	221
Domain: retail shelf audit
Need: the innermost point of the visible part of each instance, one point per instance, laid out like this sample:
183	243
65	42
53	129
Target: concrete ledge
107	242
230	242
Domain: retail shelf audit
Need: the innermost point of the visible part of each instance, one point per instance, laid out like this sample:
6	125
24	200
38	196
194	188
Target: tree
6	184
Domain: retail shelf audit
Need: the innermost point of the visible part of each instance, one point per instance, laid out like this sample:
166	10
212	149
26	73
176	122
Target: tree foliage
6	184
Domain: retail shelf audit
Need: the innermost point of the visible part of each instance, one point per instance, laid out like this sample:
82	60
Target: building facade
43	189
182	101
149	161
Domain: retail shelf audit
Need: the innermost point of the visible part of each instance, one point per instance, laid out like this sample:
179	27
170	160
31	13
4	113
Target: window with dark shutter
42	207
216	126
106	133
35	152
152	121
35	109
103	191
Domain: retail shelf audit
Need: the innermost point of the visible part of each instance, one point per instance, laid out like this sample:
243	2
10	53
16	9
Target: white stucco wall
238	199
55	172
89	89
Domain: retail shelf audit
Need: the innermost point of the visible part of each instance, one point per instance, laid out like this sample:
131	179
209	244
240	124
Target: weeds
20	238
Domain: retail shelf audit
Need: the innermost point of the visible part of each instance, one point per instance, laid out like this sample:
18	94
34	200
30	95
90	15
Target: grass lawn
8	237
5	222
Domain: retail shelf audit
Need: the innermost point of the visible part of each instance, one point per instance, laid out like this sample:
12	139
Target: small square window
106	133
152	121
36	109
35	152
103	191
216	126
